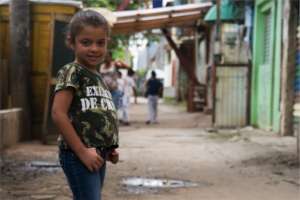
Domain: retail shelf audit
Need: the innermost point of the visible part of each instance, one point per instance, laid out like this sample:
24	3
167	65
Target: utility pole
288	68
19	69
217	53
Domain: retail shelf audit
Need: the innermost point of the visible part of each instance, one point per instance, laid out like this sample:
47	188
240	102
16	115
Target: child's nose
94	47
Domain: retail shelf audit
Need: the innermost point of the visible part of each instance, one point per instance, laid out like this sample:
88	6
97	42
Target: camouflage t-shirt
92	111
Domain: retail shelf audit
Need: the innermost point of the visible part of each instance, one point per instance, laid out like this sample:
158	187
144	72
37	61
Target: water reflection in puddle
156	183
43	166
139	185
18	171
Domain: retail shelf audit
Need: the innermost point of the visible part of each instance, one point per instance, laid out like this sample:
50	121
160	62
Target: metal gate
231	96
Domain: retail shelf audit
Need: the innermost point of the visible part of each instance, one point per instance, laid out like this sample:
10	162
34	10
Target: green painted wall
265	89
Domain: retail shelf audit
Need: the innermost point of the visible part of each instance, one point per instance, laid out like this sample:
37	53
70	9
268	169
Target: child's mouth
93	58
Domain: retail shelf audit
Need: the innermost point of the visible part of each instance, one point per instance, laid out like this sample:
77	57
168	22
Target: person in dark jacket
153	92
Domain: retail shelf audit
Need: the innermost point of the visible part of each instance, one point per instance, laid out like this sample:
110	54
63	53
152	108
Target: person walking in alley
129	91
110	75
83	109
154	89
120	81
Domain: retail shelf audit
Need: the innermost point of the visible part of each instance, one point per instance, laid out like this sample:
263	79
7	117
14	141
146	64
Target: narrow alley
181	158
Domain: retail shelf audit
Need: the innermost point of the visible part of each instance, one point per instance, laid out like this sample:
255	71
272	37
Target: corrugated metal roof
63	2
144	19
139	20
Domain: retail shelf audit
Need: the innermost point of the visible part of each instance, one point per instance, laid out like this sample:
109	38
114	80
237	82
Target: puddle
139	185
18	171
156	183
43	166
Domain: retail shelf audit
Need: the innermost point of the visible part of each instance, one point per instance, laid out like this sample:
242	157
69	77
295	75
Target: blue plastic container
297	84
298	58
157	3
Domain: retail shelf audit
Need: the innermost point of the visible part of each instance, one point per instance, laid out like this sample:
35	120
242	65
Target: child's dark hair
85	18
119	73
153	74
130	72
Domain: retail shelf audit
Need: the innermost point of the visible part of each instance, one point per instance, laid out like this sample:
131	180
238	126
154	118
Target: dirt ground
244	164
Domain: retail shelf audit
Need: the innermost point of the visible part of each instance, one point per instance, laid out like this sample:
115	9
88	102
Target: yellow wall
3	33
4	55
42	16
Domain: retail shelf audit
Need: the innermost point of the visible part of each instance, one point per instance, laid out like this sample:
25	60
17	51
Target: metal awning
140	20
229	11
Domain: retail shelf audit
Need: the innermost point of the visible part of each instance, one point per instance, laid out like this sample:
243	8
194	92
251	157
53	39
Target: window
267	51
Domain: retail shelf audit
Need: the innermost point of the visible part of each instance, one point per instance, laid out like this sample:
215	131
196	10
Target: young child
83	109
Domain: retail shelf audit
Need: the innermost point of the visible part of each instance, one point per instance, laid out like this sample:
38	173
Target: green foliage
118	46
174	101
170	100
118	53
152	37
109	4
141	73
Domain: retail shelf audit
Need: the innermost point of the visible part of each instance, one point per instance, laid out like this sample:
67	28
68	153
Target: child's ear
69	42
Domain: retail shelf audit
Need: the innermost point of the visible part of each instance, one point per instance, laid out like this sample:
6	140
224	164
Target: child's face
90	46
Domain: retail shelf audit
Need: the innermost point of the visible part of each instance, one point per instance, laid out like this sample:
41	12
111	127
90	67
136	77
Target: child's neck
92	69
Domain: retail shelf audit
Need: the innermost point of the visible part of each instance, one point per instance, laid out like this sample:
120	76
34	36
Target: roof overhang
139	20
77	4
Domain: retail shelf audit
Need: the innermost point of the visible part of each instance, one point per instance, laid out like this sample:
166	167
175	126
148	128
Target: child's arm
61	103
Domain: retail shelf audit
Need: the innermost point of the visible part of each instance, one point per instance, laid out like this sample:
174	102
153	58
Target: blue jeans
85	185
152	108
117	98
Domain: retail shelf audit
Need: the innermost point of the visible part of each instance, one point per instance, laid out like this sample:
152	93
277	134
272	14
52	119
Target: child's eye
86	42
101	43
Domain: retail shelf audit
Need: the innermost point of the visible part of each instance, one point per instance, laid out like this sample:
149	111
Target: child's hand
91	159
113	157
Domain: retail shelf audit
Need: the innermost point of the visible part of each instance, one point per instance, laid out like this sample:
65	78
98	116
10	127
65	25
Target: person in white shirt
129	88
120	82
108	72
